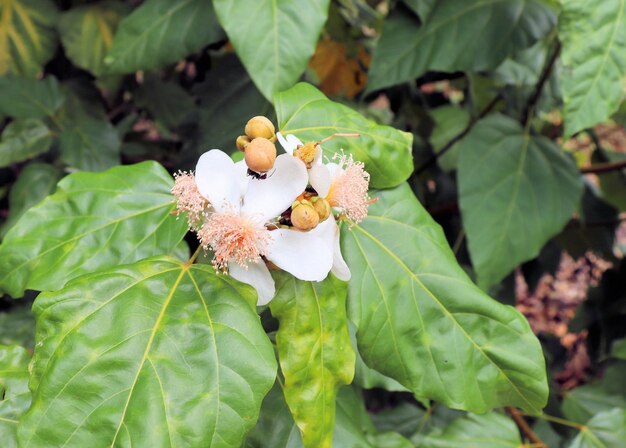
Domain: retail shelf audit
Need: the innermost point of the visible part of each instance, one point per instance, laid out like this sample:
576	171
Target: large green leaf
17	326
314	350
167	101
27	35
508	180
457	35
14	393
160	32
274	38
93	221
594	58
306	112
477	431
157	353
424	323
35	182
606	429
29	98
90	144
87	33
586	401
23	139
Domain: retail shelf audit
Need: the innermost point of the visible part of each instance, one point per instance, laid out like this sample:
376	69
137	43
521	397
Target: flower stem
193	257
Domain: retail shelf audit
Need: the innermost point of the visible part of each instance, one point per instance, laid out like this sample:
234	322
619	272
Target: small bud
307	153
260	127
260	155
304	216
322	207
242	142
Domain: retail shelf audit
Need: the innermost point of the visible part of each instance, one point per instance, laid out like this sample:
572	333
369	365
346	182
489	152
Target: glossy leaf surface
314	351
22	140
505	210
156	354
274	38
594	58
423	322
87	33
27	35
93	221
407	50
306	112
14	393
160	32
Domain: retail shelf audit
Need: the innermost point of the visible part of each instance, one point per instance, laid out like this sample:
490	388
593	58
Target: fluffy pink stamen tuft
188	198
233	237
349	188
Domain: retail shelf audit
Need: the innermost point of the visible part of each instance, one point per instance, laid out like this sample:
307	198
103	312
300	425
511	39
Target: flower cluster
273	211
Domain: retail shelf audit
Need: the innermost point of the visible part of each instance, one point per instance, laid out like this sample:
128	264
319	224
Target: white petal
242	174
290	143
258	276
333	169
294	141
217	180
340	268
318	154
319	178
268	198
305	255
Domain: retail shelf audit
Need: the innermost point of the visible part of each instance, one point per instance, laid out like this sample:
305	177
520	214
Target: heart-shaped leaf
158	353
93	221
306	112
424	323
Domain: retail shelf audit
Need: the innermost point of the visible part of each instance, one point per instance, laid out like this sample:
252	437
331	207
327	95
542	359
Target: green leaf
407	50
423	322
160	32
35	182
166	101
618	350
263	34
485	431
613	184
605	430
14	393
17	326
158	353
586	401
27	35
23	139
420	7
87	33
593	35
449	122
306	112
29	98
90	144
314	351
92	222
507	181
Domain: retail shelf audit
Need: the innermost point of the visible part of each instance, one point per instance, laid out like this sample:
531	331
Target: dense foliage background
514	144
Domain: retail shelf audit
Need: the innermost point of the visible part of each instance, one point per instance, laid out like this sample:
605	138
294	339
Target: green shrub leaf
606	429
507	181
490	30
274	39
29	98
485	431
594	58
423	322
23	139
90	144
314	350
160	32
14	393
157	353
93	221
306	112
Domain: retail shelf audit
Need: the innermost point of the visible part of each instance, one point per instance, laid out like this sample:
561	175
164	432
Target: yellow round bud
307	153
260	155
242	141
260	126
304	216
322	207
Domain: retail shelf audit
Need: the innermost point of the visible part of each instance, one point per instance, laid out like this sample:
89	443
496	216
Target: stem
559	420
545	75
193	257
600	168
525	427
459	240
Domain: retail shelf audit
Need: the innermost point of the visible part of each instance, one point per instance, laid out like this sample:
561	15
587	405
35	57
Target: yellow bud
304	216
307	153
322	207
260	155
242	142
260	127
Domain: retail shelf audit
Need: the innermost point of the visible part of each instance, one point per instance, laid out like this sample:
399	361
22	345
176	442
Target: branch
600	168
545	75
525	427
457	137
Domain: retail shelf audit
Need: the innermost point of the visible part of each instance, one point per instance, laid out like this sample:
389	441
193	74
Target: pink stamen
234	237
188	198
349	189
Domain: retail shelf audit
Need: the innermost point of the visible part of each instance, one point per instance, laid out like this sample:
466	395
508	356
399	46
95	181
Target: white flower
242	229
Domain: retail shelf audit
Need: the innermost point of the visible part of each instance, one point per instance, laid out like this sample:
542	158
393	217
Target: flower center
348	190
